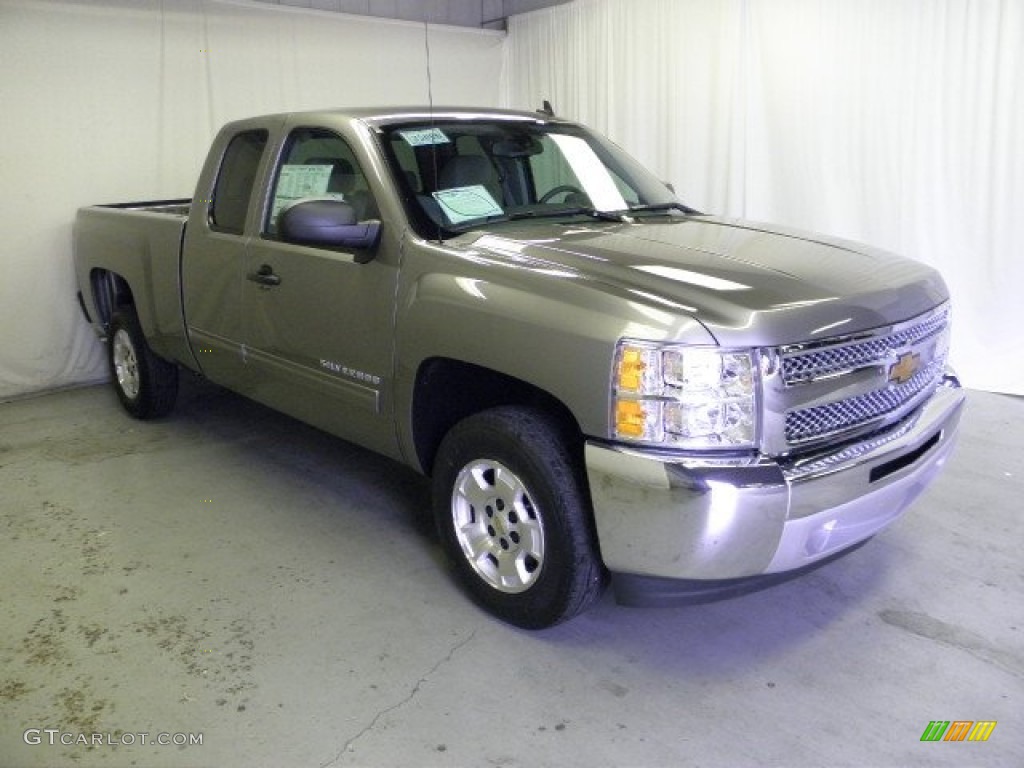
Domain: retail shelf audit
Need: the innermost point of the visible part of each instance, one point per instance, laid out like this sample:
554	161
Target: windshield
457	175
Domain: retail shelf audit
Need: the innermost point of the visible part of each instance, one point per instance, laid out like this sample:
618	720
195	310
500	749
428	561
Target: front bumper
665	517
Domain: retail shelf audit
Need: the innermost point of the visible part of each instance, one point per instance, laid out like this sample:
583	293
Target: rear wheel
513	516
146	385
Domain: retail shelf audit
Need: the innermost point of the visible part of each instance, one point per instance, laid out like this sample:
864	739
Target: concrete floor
233	574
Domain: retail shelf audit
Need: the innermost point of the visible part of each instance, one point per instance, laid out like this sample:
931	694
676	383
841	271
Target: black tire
146	385
513	516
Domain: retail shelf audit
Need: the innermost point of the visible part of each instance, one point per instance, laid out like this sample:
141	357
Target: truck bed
177	207
141	242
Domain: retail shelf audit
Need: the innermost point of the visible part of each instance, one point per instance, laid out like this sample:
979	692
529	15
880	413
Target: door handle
264	276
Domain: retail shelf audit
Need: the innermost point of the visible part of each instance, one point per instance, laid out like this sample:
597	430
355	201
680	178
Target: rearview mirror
330	223
517	146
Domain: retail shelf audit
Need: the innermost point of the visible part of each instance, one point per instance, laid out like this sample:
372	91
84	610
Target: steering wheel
561	188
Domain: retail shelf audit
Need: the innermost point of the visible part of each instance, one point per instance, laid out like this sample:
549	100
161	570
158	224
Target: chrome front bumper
674	517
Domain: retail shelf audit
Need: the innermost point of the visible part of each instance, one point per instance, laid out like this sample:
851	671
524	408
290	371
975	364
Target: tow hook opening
884	470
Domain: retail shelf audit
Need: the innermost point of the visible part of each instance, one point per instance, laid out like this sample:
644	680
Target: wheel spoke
509	572
476	542
475	487
531	537
505	481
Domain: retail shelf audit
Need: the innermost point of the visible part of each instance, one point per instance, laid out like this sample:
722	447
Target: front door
318	324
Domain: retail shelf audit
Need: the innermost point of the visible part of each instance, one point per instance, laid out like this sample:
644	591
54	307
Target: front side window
318	164
459	175
233	190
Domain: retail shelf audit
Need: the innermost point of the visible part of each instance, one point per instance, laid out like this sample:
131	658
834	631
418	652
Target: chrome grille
848	384
830	361
854	411
849	453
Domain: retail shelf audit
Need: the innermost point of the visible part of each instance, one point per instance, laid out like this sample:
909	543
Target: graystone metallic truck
600	381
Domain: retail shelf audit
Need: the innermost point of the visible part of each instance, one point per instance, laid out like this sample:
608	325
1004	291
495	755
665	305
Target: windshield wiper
617	216
656	207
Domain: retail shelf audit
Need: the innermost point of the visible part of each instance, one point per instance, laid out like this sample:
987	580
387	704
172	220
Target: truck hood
749	284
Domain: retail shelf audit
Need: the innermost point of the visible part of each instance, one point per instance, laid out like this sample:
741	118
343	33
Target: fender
551	334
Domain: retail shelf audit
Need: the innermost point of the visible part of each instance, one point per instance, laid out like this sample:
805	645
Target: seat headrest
343	175
466	171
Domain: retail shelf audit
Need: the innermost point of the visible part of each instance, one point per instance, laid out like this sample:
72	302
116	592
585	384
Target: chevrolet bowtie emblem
904	368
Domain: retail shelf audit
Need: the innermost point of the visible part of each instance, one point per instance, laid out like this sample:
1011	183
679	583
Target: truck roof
383	116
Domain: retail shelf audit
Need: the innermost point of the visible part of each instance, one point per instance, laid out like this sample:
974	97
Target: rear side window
234	183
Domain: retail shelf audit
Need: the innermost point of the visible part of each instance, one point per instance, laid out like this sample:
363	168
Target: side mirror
330	223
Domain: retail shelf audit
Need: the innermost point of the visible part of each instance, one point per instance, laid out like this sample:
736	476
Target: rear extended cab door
220	226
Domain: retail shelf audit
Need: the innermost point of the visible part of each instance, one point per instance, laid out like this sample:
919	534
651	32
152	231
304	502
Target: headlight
685	397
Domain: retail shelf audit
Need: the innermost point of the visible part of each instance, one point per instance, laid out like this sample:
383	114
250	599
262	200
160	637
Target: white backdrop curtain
118	100
895	122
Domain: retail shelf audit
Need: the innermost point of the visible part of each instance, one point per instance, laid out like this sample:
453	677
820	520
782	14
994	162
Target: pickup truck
601	383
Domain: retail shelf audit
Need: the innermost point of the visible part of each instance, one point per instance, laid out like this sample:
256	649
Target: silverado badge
904	368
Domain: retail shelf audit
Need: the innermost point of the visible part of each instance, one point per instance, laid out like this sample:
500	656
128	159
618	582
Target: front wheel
513	516
146	385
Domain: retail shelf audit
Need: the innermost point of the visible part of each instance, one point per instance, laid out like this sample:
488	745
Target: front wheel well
448	391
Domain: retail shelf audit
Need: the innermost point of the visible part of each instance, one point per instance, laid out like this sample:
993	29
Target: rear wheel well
448	391
110	291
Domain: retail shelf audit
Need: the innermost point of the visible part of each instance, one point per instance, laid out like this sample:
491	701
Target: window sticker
467	203
298	181
424	137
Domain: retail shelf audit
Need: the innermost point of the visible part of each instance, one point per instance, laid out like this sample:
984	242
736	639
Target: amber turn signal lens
631	369
629	418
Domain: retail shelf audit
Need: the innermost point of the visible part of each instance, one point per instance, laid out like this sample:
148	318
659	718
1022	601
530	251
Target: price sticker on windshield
424	137
467	203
